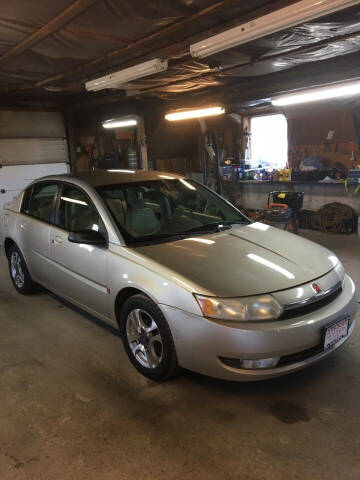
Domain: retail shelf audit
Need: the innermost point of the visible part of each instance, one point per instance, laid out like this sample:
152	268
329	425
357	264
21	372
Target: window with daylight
269	141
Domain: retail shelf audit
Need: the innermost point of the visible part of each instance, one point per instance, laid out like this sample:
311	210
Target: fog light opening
259	363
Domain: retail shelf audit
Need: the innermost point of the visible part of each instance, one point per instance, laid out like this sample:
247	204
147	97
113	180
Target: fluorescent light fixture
196	113
320	93
120	123
295	14
121	171
117	79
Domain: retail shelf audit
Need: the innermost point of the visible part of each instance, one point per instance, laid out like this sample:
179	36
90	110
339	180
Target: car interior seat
117	205
139	218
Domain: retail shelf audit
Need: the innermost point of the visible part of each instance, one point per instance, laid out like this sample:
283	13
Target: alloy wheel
17	272
144	338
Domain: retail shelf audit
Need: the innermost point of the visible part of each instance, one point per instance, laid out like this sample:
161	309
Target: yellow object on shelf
285	175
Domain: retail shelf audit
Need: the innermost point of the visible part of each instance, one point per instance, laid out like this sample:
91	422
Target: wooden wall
173	146
308	128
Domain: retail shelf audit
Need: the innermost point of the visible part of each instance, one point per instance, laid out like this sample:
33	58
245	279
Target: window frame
62	184
31	189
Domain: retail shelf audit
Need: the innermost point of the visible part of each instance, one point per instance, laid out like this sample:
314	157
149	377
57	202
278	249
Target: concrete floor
72	406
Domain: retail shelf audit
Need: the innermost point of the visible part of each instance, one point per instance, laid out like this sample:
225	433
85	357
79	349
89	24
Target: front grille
311	307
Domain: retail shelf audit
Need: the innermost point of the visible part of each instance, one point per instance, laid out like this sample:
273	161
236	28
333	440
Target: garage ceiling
48	51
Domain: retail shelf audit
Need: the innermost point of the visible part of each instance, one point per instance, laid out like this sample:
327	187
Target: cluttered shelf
288	182
346	182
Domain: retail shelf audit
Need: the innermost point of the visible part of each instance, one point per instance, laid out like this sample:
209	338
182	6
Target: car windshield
160	210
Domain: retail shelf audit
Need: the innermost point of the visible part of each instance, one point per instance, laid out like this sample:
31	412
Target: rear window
42	201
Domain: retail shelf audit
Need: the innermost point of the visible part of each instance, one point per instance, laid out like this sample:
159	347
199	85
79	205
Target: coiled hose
330	218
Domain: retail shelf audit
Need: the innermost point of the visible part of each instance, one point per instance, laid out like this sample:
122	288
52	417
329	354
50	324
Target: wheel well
7	245
124	295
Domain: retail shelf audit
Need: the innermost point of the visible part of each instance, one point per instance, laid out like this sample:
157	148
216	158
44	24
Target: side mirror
89	237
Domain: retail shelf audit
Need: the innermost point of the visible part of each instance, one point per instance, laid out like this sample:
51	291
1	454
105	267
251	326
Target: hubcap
144	338
16	270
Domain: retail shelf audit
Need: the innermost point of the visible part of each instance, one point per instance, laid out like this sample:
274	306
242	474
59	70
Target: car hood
242	261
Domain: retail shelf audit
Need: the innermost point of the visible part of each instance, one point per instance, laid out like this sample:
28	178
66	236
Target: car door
79	269
34	227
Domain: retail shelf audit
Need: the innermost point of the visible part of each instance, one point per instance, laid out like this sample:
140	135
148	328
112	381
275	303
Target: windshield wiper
163	237
172	237
213	227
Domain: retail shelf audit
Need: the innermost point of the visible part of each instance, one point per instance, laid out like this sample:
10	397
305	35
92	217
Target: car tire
147	338
19	272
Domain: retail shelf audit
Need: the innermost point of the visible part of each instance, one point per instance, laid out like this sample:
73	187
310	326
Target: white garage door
27	151
32	145
32	138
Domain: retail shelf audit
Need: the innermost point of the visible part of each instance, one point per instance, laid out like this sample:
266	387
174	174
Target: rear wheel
19	273
147	338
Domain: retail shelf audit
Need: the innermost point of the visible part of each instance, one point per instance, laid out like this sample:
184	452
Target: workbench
254	194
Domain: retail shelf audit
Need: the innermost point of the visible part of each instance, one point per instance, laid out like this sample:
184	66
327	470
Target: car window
76	212
42	201
158	208
26	200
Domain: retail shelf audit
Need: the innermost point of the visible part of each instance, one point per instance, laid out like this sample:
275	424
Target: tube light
297	13
119	123
320	93
198	113
117	79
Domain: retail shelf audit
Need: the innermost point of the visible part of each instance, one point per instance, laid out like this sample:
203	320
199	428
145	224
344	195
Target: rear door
79	269
34	227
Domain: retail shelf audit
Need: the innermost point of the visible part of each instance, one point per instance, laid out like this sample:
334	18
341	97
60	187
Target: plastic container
285	175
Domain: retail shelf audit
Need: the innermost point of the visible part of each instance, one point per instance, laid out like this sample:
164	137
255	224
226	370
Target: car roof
99	178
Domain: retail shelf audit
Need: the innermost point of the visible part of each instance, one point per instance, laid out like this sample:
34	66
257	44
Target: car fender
165	288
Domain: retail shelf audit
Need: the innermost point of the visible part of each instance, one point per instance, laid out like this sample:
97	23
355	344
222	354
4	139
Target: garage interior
72	405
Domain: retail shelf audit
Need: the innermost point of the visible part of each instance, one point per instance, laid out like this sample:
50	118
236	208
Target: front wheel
19	273
147	338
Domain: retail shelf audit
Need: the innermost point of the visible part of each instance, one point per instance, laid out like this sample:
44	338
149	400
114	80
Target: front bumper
200	342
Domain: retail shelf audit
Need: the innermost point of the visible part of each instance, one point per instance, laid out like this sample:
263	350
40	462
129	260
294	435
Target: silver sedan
189	281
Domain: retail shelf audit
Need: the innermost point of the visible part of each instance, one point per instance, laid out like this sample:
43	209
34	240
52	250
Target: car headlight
244	309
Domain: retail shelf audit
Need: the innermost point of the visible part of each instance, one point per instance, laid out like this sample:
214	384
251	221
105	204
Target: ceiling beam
336	69
266	58
167	30
52	26
326	71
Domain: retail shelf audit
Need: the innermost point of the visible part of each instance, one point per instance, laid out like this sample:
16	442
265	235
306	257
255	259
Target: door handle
57	240
23	225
